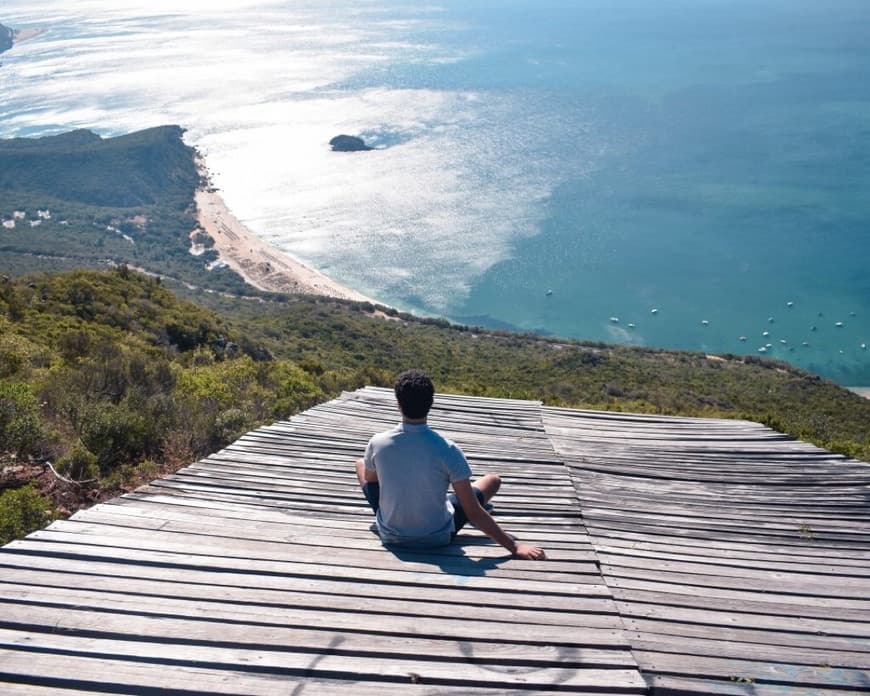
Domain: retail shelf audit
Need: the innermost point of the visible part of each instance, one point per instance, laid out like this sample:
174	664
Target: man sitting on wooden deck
406	472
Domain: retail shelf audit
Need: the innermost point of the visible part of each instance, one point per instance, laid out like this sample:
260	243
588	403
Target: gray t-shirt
415	466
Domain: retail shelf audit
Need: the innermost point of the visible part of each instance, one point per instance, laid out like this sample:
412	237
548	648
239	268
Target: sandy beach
261	264
24	34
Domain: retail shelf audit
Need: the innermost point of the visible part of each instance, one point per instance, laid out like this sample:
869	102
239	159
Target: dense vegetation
113	378
77	200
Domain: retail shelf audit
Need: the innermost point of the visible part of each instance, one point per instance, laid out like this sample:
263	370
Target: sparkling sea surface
564	167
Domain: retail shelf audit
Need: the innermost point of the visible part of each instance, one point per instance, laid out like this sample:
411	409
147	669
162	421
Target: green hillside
128	171
78	200
113	379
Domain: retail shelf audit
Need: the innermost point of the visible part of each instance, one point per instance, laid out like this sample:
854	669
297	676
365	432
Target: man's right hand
529	553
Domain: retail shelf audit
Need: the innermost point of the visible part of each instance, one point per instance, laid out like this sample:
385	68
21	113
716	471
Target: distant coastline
259	263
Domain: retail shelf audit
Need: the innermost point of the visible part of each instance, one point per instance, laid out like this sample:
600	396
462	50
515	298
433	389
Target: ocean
686	174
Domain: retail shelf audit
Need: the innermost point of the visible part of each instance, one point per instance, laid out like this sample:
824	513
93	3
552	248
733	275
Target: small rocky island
6	37
9	37
348	143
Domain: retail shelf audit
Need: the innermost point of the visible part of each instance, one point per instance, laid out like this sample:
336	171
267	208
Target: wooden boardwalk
255	572
739	558
686	557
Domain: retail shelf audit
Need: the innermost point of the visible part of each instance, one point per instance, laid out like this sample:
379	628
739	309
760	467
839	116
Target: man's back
415	465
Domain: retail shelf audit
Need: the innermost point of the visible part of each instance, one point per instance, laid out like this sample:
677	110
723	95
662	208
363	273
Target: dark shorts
372	492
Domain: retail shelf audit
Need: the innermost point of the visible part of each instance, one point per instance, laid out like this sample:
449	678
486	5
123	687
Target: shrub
22	511
79	464
116	434
291	387
18	354
128	476
20	425
229	425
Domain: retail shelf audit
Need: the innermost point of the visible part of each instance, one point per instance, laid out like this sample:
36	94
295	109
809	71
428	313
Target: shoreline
258	262
19	35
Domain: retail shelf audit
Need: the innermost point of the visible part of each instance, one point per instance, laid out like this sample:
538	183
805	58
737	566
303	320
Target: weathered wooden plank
745	633
808	554
10	689
713	580
108	624
290	604
292	543
777	672
854	545
813	657
743	600
314	534
117	675
670	685
305	559
817	583
332	660
216	586
470	574
712	618
451	599
323	619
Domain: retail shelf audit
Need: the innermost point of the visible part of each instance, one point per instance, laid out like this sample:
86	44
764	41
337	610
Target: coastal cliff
78	200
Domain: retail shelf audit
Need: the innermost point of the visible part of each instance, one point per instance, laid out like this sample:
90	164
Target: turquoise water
709	159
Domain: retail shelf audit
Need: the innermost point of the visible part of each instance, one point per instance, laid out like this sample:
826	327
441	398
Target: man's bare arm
481	519
365	475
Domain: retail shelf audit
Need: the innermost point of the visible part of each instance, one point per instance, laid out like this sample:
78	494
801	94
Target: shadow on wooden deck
686	557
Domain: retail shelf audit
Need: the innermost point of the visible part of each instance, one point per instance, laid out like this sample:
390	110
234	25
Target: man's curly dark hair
415	393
